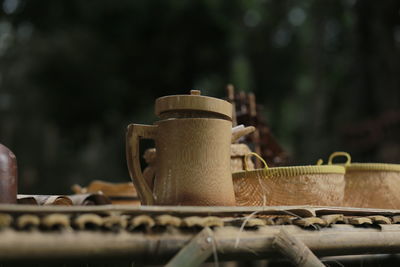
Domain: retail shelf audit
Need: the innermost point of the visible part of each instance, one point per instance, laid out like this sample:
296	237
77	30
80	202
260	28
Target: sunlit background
74	74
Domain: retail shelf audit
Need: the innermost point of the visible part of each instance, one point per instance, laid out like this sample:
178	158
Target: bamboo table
190	235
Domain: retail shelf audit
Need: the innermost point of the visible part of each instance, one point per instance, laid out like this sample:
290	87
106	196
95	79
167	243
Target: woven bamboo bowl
370	185
298	185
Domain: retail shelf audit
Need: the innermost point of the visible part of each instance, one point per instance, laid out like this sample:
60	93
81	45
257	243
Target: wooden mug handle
134	133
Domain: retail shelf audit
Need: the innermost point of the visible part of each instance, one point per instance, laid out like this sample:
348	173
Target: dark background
74	74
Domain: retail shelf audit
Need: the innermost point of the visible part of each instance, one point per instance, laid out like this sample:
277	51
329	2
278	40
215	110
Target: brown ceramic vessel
8	176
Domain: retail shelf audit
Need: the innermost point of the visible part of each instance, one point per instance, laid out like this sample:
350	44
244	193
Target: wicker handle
246	158
339	154
136	132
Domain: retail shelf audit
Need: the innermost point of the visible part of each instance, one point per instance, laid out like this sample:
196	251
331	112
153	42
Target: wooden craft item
370	185
44	200
297	185
8	176
118	193
193	152
106	188
88	199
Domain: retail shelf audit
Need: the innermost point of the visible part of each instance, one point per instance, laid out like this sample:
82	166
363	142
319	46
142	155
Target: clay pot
8	176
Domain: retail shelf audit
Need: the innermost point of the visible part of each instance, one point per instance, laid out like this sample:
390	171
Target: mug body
193	162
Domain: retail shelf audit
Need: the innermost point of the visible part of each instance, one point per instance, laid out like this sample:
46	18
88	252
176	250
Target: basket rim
372	167
293	171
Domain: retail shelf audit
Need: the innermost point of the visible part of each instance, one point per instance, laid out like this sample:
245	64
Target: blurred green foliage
74	73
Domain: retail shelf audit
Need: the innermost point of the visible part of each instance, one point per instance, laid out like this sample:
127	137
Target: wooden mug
193	162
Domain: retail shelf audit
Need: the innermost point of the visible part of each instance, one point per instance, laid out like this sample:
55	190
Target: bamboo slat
301	211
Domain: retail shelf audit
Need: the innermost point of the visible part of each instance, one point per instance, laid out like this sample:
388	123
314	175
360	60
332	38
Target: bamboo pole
195	252
363	260
230	89
298	253
159	247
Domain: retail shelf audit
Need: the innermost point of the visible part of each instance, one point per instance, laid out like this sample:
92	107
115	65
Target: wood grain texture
313	189
372	189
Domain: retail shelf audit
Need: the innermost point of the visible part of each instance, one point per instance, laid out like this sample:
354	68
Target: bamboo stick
295	250
195	252
230	89
363	260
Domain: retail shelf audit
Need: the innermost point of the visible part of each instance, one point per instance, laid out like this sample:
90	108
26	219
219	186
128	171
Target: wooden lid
194	102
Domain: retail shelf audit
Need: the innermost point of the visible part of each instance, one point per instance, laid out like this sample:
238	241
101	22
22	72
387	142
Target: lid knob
195	92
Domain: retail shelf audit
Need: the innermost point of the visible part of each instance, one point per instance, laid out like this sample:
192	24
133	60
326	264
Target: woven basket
370	185
298	185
